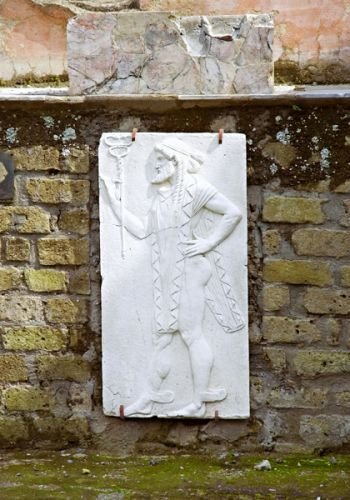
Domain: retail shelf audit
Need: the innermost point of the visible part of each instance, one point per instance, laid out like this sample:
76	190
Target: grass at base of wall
80	474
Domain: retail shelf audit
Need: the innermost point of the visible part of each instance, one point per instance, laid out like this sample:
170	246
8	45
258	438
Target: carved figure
187	270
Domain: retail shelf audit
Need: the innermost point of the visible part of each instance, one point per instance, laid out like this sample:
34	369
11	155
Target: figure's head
173	153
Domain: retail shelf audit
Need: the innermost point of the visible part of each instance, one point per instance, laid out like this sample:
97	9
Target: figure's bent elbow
234	216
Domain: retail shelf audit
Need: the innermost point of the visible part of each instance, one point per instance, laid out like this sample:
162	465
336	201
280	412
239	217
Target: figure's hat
181	147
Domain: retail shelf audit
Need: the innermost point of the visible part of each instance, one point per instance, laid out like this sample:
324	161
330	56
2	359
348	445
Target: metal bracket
221	135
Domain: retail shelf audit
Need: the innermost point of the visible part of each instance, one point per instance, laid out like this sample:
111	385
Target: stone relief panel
173	263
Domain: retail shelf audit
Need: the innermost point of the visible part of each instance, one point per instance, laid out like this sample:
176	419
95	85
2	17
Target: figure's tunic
170	227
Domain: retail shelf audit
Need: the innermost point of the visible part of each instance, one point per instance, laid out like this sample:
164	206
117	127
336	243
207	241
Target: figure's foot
191	410
213	395
143	406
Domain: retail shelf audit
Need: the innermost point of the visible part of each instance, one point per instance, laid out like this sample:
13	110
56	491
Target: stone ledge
282	94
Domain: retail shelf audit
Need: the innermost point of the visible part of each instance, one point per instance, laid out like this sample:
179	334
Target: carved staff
119	148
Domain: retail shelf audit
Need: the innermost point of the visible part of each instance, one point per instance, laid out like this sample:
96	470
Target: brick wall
299	277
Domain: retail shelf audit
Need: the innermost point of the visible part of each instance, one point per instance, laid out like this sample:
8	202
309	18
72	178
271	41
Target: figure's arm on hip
135	225
231	216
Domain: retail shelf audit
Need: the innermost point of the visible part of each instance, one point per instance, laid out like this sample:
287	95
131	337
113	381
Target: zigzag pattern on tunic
219	292
176	284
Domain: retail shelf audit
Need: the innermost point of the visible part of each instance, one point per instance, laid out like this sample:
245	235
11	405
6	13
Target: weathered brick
45	280
333	328
10	278
78	338
79	282
321	242
275	297
27	399
345	219
311	363
70	368
303	272
327	301
325	431
64	251
12	368
5	220
17	249
298	398
61	430
276	357
25	220
342	399
66	311
293	210
19	306
271	241
282	329
74	221
343	188
76	160
31	338
36	158
315	187
345	275
54	191
12	430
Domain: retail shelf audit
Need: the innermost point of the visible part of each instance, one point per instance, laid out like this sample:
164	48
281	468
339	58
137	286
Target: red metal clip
133	134
121	412
216	415
221	135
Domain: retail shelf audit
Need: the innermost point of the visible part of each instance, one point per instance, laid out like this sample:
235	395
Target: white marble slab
174	269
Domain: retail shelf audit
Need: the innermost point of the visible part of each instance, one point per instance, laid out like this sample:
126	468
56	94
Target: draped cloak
170	227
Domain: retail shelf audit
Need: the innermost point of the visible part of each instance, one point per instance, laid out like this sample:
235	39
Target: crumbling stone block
75	192
17	249
303	272
327	301
12	368
66	311
321	242
74	221
36	158
27	399
70	368
281	329
10	278
293	210
275	297
64	251
311	363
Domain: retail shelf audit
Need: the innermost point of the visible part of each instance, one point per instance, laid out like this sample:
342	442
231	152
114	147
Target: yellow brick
31	338
74	221
36	158
64	251
15	307
275	297
12	368
327	301
312	363
281	329
296	272
10	278
27	399
24	219
45	280
66	311
345	275
271	241
76	160
75	192
315	187
293	210
17	249
321	242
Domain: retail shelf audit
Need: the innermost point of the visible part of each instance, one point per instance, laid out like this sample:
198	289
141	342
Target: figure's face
164	169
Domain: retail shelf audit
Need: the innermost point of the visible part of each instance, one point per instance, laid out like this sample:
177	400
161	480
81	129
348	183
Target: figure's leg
159	368
191	313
